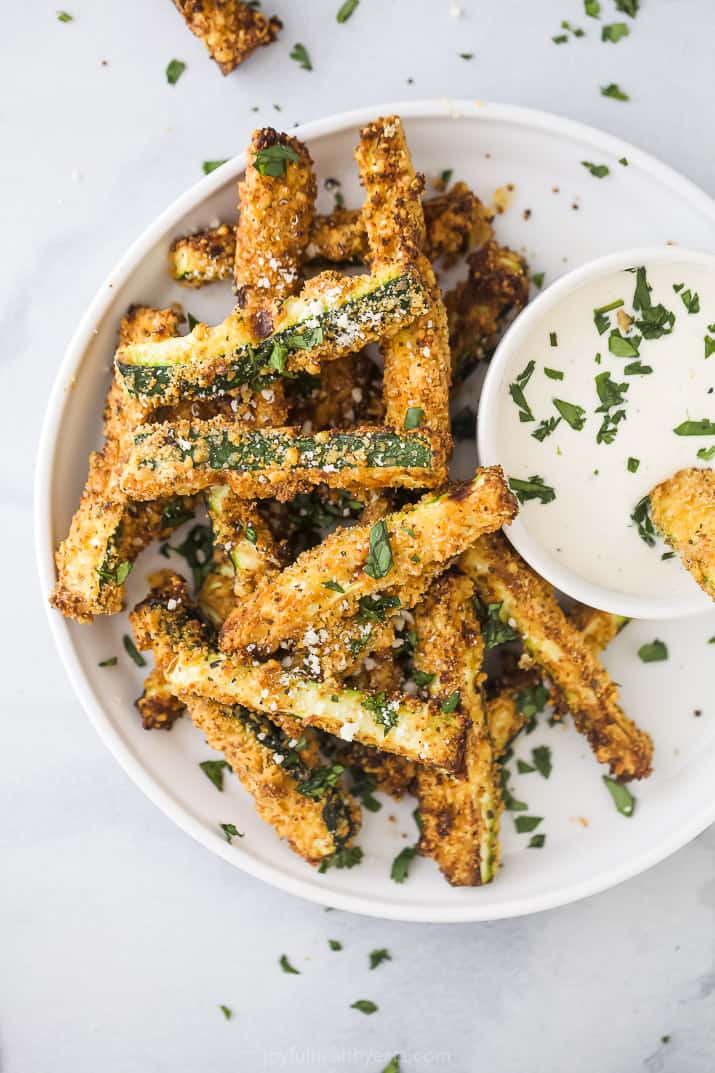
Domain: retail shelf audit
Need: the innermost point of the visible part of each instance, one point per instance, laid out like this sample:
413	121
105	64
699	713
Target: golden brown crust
683	509
348	394
230	29
502	577
158	706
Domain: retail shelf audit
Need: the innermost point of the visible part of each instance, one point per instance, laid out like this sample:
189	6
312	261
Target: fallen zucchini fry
333	315
454	221
260	463
185	651
291	790
524	600
459	813
230	29
328	582
683	509
417	358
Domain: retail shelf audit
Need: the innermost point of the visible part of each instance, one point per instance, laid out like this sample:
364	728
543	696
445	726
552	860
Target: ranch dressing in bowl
602	389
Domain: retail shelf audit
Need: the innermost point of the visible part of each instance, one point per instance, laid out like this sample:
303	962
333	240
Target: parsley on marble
174	71
64	16
614	91
537	842
628	7
210	165
365	1005
614	31
592	8
346	10
378	956
301	57
226	1011
287	967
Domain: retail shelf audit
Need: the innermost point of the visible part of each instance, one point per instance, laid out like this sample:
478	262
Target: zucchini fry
417	358
454	221
259	463
334	315
291	791
347	393
230	29
526	601
185	651
107	531
158	706
683	509
459	813
327	583
478	308
242	534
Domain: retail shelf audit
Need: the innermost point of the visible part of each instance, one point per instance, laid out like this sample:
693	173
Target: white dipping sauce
588	527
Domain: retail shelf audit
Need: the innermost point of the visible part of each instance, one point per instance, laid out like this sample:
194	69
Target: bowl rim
383	908
531	549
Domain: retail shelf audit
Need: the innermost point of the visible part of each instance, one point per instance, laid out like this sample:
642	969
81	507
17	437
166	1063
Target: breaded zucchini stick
230	29
683	509
525	601
185	650
107	531
291	790
242	534
333	315
257	464
326	583
459	813
454	221
417	358
478	308
348	393
158	706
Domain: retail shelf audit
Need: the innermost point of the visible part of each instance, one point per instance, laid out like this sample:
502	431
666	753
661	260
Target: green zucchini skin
255	461
358	313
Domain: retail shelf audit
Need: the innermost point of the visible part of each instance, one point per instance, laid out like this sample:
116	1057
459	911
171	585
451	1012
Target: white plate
488	145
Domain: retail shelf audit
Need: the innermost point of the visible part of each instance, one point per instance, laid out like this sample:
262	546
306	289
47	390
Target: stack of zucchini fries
326	663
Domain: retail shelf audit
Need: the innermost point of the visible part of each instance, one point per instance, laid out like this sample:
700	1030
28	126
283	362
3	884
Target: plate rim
191	199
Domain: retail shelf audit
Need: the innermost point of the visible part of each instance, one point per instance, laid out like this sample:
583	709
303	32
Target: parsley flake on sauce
533	488
573	415
516	390
644	522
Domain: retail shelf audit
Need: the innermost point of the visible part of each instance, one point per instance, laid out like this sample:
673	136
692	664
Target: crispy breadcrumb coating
683	509
230	29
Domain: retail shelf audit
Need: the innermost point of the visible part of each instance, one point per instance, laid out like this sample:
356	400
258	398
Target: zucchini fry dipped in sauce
230	29
683	509
417	358
460	812
525	601
185	651
454	221
333	315
480	307
108	530
327	583
292	791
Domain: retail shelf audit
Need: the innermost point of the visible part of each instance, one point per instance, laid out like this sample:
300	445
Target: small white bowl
510	356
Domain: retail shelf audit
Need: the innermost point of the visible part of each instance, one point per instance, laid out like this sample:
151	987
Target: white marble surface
119	936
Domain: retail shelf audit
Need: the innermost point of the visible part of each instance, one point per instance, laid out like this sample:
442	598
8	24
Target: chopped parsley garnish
132	652
213	770
117	576
363	786
637	368
111	662
466	55
175	513
174	71
300	55
536	842
592	8
696	428
623	161
573	414
321	779
553	374
538	279
510	802
227	1012
524	824
516	390
533	488
333	586
197	549
423	678
614	91
401	864
346	10
614	31
611	395
553	339
464	422
413	417
450	703
690	299
250	534
365	1005
622	346
287	967
633	464
523	768
230	831
706	453
709	342
628	7
273	160
644	522
667	555
393	1066
599	171
545	428
64	16
210	165
600	319
383	710
379	560
494	630
378	956
334	944
560	39
653	651
373	608
623	799
541	756
532	700
342	858
445	177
